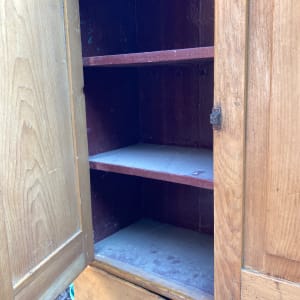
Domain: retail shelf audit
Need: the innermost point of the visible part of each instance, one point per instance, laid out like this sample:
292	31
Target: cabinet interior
148	73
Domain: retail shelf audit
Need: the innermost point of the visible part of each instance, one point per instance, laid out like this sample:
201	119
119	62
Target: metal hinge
216	118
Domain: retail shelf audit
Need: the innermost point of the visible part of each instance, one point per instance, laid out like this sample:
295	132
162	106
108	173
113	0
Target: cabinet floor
162	253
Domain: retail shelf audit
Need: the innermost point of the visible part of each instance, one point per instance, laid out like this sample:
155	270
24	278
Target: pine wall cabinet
110	170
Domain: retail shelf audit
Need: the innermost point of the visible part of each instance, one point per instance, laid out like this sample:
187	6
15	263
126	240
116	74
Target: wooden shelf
150	58
183	165
171	261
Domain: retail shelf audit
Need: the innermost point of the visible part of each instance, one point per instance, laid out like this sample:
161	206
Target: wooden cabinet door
45	220
272	204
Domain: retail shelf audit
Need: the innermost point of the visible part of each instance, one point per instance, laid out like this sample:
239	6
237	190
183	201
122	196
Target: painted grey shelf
190	166
160	256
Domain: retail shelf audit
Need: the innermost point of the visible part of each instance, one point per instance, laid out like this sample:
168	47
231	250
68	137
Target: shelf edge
175	178
150	58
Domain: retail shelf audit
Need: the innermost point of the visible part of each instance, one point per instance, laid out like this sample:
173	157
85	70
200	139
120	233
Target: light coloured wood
72	24
272	223
94	284
283	199
6	290
37	171
229	92
177	259
259	93
54	274
44	184
258	286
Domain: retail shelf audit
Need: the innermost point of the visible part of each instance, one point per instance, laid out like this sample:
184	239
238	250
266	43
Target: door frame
231	26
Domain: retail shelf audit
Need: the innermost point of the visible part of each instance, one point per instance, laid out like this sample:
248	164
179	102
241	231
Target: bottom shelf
175	262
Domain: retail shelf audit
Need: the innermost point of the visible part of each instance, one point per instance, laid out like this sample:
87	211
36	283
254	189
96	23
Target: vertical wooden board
6	290
75	68
272	187
259	93
230	87
283	221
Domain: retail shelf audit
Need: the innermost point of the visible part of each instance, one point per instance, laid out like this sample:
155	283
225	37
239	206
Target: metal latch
216	118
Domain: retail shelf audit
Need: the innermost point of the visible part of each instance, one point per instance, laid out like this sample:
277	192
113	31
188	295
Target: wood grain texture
94	284
40	197
175	164
259	93
55	273
283	221
72	23
6	291
230	87
258	286
38	184
151	58
272	237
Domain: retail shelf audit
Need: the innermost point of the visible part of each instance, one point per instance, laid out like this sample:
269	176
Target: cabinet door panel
43	156
283	208
272	207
